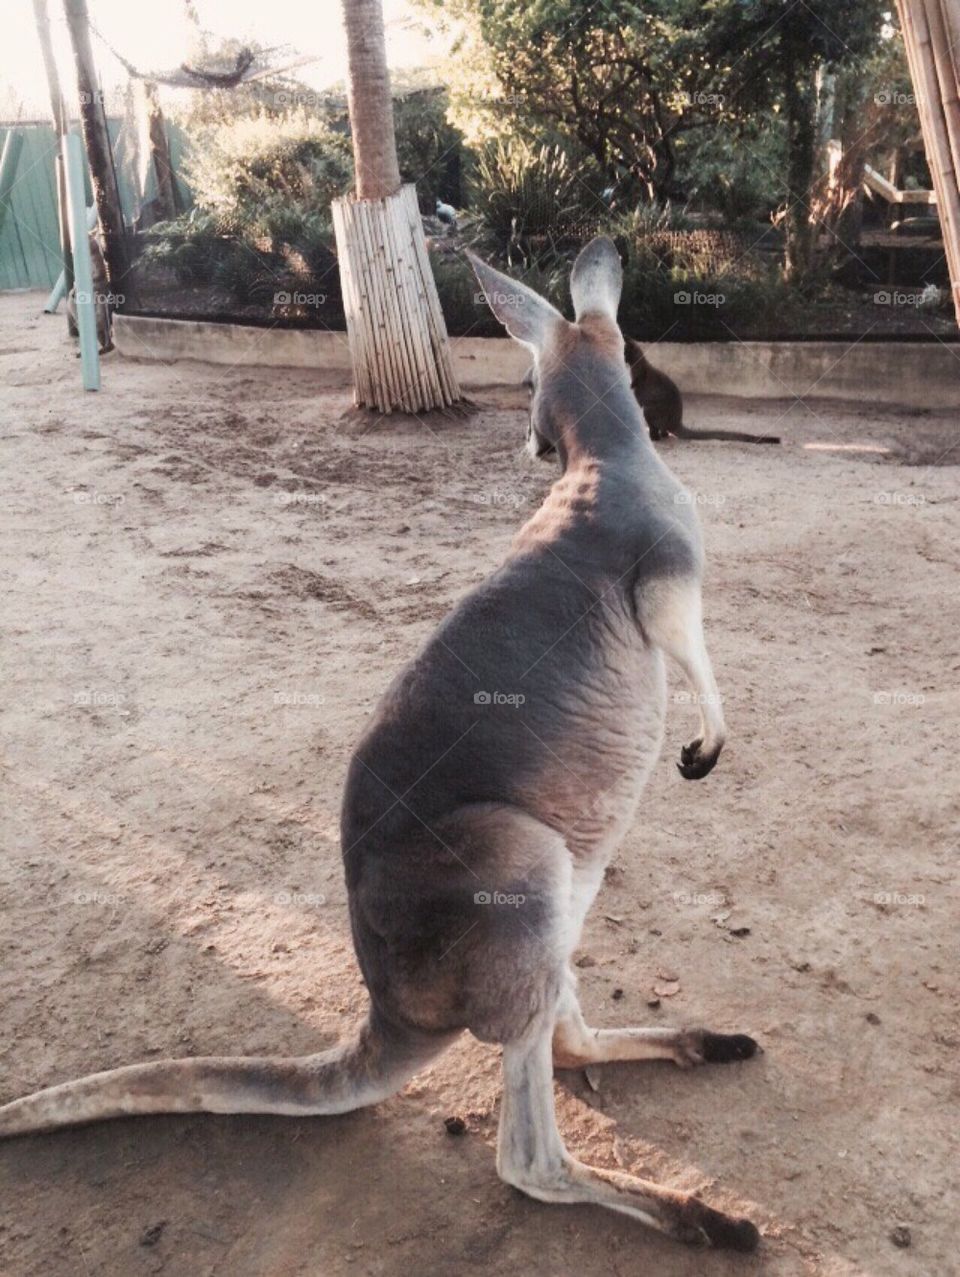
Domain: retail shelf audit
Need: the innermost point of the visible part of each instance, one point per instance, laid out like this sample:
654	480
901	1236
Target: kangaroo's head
580	397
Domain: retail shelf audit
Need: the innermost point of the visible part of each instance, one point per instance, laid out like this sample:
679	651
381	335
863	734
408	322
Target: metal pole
61	288
82	267
12	146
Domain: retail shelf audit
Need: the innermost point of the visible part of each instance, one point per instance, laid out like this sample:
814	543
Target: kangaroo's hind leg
531	1156
575	1043
671	613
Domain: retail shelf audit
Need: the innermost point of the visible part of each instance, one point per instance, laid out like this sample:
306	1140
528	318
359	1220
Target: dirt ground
209	576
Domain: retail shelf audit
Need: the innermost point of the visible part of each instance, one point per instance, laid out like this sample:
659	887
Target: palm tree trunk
398	339
368	95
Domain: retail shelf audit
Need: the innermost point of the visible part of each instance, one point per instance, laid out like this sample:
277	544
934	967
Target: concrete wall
914	374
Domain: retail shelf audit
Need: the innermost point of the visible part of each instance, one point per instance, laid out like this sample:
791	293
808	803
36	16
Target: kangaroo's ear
597	280
527	316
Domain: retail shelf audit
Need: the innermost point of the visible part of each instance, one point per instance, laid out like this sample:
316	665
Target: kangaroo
101	295
659	397
490	790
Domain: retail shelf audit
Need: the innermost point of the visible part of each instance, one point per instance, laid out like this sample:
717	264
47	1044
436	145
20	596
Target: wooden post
933	69
96	138
398	340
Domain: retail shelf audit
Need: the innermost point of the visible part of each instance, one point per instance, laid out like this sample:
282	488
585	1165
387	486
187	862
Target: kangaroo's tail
370	1068
731	436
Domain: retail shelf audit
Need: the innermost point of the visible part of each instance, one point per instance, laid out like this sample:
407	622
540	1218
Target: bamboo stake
371	270
424	389
394	322
96	139
416	296
58	112
423	384
920	55
441	344
947	82
354	339
372	217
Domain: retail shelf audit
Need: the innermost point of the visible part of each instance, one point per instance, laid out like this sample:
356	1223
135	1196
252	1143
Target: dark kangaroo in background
491	788
659	397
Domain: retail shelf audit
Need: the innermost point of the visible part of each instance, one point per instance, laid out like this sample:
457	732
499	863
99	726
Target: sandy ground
209	575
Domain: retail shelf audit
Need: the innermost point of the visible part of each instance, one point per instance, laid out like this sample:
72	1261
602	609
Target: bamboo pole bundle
395	327
929	27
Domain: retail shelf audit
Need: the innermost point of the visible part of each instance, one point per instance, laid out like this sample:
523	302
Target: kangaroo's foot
695	762
575	1044
531	1157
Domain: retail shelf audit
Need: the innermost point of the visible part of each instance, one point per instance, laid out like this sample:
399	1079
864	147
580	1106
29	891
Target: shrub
239	168
429	150
736	175
191	247
535	197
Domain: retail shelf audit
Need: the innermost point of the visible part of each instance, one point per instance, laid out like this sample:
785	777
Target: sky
154	35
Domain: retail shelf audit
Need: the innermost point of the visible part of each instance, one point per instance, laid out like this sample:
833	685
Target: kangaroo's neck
600	428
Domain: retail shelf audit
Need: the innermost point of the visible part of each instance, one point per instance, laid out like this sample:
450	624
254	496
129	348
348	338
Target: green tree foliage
622	80
633	83
767	54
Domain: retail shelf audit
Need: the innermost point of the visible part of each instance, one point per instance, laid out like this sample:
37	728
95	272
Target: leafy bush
735	174
429	150
241	167
683	300
192	247
523	194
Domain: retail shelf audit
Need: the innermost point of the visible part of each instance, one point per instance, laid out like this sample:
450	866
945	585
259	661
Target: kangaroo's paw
700	1046
704	1227
694	762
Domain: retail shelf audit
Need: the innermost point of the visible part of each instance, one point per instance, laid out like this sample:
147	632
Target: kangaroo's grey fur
492	786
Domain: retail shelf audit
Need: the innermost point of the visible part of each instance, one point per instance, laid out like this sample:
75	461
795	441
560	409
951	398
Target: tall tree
398	340
370	104
768	54
96	137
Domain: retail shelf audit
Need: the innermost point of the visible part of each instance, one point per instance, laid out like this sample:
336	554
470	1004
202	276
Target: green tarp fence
29	237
